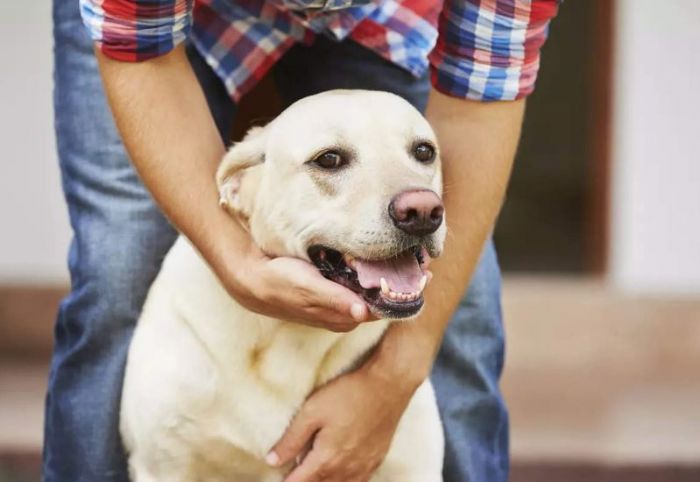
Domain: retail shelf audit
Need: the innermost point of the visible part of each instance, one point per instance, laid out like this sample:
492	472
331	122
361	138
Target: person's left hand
346	426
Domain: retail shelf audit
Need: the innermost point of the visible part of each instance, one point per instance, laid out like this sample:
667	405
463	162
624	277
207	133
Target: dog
348	180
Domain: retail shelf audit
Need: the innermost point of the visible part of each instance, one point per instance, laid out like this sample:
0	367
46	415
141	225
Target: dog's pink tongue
402	274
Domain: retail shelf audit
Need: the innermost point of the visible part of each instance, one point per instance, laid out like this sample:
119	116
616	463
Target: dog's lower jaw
392	287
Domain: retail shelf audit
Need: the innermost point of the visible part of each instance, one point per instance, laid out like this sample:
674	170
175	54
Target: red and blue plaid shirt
476	49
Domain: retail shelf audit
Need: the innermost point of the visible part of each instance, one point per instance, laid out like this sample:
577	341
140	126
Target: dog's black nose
417	211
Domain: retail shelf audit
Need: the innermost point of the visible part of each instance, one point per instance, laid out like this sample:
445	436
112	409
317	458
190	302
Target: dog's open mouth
392	287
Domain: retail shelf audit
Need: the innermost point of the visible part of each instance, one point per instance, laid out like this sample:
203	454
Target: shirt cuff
490	53
136	30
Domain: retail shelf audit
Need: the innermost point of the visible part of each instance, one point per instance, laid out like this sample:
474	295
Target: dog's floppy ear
244	154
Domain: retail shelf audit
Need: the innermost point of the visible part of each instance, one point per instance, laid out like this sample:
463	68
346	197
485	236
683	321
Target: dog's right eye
330	160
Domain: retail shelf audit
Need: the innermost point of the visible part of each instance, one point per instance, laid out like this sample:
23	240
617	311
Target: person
142	120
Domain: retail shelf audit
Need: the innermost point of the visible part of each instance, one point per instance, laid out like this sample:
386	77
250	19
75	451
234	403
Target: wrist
403	359
228	249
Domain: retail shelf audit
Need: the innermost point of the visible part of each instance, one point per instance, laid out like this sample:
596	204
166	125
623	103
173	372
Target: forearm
478	142
168	131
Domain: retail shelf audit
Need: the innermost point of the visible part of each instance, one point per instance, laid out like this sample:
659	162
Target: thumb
299	434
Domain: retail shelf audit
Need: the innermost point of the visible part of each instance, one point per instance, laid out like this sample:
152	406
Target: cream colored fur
210	386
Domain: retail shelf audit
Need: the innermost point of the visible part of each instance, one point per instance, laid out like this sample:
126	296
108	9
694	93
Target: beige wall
34	232
655	244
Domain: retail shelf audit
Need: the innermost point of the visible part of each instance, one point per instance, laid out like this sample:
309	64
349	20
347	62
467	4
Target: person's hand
293	290
346	427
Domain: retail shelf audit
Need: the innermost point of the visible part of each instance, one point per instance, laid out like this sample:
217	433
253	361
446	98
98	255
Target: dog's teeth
423	282
384	285
393	295
349	260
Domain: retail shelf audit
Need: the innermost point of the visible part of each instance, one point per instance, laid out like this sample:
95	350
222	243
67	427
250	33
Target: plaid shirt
476	49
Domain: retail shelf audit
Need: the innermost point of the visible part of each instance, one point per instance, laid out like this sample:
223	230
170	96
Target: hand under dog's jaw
392	287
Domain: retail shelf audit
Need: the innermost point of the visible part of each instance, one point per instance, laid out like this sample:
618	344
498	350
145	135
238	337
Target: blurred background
599	241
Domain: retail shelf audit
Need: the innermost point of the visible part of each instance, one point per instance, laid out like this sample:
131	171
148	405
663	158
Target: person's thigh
468	367
119	240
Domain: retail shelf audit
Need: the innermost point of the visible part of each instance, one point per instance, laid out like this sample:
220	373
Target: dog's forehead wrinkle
347	100
342	112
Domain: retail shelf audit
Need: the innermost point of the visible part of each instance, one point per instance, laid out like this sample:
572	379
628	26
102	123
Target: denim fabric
465	377
120	238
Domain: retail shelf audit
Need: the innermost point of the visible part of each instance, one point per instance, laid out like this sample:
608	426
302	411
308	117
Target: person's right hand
291	289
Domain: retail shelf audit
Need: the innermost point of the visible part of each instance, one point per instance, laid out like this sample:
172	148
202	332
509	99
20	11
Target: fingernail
357	311
272	459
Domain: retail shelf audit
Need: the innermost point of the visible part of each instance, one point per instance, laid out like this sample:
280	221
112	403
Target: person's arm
168	131
353	419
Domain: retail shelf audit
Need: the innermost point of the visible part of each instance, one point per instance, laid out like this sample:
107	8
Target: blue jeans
120	238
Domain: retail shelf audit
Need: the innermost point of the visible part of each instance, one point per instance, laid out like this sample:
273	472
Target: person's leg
120	238
465	376
468	367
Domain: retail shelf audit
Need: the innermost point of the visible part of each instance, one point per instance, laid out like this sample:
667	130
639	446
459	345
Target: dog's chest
296	359
265	368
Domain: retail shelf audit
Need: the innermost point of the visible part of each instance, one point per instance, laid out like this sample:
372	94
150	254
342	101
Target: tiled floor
591	377
597	376
21	405
25	468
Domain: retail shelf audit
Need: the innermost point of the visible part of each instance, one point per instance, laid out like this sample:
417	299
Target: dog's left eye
424	152
330	160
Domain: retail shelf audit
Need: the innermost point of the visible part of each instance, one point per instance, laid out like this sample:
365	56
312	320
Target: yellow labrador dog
349	180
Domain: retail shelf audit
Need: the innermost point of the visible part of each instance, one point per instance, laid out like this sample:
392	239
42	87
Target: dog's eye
424	152
330	160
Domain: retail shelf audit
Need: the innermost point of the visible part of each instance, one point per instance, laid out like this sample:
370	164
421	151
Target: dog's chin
388	309
392	287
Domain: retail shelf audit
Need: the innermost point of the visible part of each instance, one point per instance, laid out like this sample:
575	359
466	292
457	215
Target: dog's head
351	181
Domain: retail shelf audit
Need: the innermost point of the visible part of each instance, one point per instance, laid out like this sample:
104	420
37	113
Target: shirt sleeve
490	49
135	30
